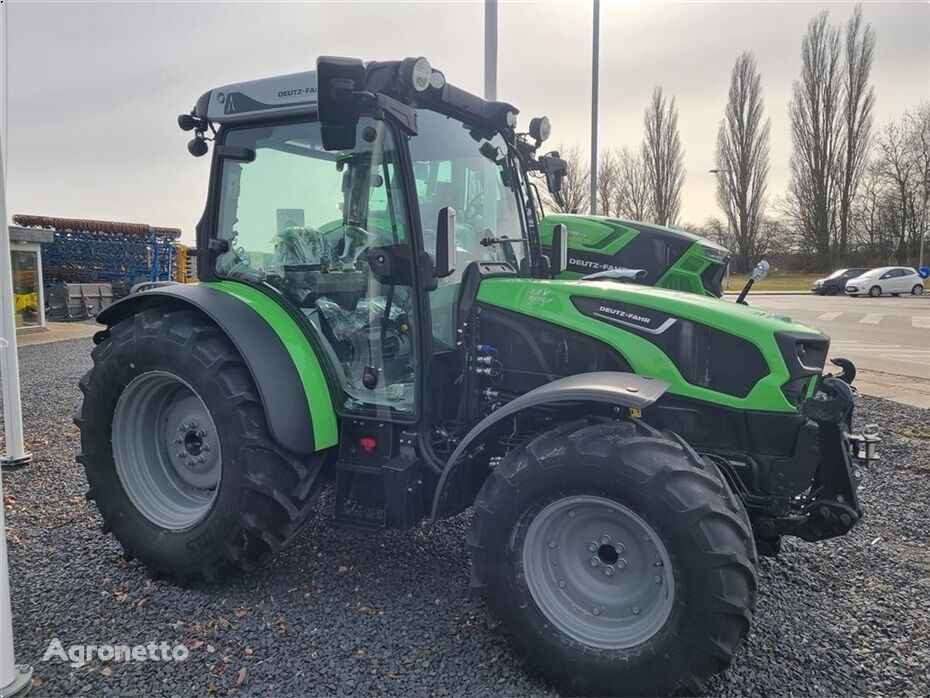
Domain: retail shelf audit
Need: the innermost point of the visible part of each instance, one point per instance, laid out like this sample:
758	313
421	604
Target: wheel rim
166	449
875	291
598	572
917	290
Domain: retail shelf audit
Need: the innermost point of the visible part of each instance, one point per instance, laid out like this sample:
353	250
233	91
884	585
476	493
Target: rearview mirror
554	168
337	80
445	243
558	256
760	271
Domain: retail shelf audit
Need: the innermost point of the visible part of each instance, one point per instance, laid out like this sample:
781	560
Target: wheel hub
598	571
166	450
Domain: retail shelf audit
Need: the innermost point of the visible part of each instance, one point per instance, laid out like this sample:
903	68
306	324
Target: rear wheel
178	454
875	291
614	560
917	290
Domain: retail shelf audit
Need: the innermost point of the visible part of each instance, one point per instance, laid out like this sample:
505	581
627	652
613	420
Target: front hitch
833	508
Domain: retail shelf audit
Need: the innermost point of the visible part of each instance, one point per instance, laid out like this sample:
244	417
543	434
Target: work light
420	74
540	128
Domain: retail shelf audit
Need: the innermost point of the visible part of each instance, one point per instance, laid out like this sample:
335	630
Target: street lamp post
490	50
595	65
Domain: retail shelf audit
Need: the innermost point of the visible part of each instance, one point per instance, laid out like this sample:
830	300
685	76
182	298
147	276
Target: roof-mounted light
416	74
437	80
540	128
422	74
511	119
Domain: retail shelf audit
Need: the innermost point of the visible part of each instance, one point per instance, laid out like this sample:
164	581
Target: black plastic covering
703	355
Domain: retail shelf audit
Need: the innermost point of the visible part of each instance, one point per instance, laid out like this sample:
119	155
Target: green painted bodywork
325	426
551	301
600	235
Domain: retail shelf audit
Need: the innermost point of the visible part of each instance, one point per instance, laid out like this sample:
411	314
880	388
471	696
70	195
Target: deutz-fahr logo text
617	313
298	92
591	264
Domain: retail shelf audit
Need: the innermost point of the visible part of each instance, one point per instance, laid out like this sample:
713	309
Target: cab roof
297	94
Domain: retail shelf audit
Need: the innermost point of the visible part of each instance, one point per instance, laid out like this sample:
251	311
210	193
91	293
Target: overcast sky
94	88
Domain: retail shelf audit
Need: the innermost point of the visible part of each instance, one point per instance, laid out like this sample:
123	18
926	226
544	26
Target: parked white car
893	280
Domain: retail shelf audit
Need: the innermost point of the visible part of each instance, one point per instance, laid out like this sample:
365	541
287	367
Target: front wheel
875	291
917	290
614	560
831	291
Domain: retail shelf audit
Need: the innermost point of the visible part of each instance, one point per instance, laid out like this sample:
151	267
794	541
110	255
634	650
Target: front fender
287	372
611	387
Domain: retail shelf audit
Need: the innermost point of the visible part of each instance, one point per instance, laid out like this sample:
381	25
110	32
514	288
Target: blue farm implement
86	251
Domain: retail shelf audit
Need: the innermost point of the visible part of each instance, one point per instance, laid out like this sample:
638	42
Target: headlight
818	284
717	253
511	119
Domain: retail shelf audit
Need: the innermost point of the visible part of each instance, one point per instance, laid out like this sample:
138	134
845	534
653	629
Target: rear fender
610	387
285	368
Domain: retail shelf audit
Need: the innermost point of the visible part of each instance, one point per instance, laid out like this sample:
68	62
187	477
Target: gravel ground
342	613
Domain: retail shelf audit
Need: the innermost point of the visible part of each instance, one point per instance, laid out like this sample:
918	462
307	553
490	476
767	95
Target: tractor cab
363	195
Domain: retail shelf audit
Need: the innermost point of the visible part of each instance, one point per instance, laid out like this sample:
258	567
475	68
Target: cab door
327	233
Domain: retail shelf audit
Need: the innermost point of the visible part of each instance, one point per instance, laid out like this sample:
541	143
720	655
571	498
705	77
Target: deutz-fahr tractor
647	254
376	315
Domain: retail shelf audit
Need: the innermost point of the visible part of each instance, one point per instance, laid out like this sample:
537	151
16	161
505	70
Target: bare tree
897	165
858	103
815	112
743	161
575	188
919	129
664	157
872	214
633	194
607	180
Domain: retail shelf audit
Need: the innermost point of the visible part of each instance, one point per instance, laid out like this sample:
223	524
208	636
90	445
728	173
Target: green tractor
642	252
376	314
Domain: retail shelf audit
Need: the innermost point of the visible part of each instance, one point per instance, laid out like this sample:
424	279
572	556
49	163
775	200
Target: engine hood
706	348
741	320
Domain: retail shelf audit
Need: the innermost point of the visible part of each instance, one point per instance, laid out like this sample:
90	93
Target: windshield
475	174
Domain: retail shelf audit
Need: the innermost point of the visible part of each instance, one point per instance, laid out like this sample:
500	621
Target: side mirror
760	271
558	257
337	80
757	274
554	168
445	243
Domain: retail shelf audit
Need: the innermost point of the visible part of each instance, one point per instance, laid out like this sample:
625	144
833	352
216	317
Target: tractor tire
875	292
616	563
178	454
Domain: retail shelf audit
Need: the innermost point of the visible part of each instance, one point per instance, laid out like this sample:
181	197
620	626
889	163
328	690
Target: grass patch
775	281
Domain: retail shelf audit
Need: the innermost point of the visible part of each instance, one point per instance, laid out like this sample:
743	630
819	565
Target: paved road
887	338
